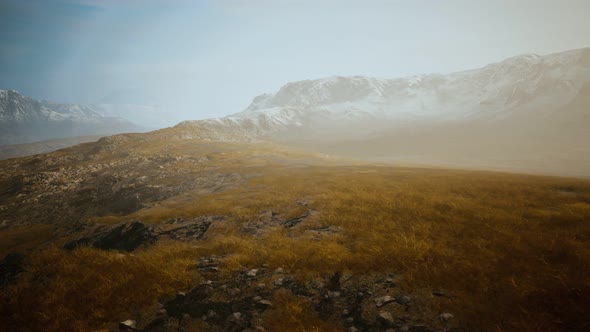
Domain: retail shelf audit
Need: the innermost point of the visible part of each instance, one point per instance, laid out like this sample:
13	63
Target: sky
201	59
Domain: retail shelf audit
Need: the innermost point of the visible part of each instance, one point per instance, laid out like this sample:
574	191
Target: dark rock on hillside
188	229
125	236
239	302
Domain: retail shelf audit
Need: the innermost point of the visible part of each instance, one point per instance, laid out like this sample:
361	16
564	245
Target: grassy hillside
512	252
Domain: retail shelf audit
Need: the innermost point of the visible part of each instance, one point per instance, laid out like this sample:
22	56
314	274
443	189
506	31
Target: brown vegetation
513	250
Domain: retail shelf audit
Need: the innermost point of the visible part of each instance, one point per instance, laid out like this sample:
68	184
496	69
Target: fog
202	59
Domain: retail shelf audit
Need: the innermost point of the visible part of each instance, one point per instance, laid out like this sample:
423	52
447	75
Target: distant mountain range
528	111
24	120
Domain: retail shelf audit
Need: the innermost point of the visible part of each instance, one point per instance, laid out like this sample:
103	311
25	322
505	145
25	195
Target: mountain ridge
521	101
25	120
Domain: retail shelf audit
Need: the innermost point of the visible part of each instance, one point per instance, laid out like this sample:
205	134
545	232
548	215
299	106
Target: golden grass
88	288
513	250
294	314
24	238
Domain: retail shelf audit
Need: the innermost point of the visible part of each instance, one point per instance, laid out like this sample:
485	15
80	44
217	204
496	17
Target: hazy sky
199	59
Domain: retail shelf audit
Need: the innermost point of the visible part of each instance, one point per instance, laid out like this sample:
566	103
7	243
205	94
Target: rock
256	298
348	321
126	236
162	312
263	304
278	282
279	271
334	281
180	294
389	282
445	317
214	269
293	222
252	273
206	264
333	295
403	299
128	325
191	229
383	300
236	316
440	294
386	318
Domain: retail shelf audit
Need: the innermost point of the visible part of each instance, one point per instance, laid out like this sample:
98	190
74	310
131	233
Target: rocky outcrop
354	302
126	237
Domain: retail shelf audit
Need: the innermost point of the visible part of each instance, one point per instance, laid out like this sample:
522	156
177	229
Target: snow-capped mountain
523	101
23	119
516	85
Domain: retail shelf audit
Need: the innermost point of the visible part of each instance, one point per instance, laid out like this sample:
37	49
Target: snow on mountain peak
528	82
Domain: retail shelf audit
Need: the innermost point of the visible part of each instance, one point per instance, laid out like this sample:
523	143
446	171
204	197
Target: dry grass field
513	251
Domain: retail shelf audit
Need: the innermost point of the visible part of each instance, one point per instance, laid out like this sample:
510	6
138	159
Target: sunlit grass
501	244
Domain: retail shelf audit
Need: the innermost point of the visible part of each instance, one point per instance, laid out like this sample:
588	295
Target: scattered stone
383	300
260	286
128	325
389	282
279	282
386	318
333	295
302	202
293	222
252	273
279	271
440	294
256	298
162	312
348	321
214	269
234	291
205	264
180	294
445	317
403	299
263	304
